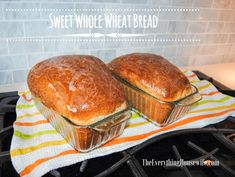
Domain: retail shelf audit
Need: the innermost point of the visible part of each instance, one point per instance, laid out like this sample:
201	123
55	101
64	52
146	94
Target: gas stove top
209	150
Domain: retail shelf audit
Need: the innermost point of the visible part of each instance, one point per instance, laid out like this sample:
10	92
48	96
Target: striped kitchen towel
37	148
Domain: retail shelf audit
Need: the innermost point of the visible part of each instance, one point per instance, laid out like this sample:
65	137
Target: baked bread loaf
78	87
152	74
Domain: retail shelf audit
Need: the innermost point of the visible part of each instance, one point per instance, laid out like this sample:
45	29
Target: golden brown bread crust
78	87
153	74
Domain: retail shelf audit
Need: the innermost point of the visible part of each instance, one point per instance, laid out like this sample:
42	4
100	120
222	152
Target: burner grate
129	155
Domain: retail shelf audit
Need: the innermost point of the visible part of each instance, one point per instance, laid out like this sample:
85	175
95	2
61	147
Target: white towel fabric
37	148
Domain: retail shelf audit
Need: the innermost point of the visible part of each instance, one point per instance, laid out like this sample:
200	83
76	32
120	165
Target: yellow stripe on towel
21	151
204	86
29	136
24	93
28	115
213	109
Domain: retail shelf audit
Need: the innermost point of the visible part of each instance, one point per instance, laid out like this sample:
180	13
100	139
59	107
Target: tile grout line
8	49
147	34
169	46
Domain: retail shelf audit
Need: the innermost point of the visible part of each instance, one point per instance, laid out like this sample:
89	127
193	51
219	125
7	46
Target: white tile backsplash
162	28
11	29
203	3
197	27
6	77
207	49
160	3
3	47
130	1
170	51
1	12
187	51
215	27
209	14
213	24
229	27
184	3
222	3
20	76
231	38
13	62
105	55
15	15
226	15
61	6
36	58
107	1
224	49
170	15
39	28
24	47
177	27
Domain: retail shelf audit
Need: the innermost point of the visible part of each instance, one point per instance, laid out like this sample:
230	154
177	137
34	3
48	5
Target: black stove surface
213	146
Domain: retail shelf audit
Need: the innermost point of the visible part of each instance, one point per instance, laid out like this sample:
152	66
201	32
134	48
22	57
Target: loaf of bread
78	87
152	74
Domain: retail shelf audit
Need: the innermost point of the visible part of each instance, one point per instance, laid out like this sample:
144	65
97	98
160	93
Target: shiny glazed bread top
78	87
153	74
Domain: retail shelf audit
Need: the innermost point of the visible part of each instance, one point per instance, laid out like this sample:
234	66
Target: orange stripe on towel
192	75
32	166
24	96
31	123
209	94
171	126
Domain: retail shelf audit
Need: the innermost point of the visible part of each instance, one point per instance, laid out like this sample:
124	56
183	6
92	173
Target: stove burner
232	137
212	146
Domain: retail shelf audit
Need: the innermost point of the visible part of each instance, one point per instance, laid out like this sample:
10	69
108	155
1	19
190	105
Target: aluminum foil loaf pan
159	112
86	138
